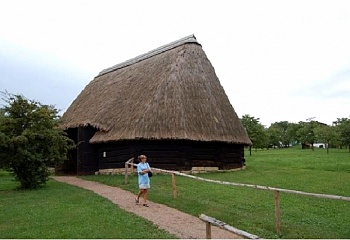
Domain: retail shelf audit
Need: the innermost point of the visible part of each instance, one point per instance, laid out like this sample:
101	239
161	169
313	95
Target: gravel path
175	222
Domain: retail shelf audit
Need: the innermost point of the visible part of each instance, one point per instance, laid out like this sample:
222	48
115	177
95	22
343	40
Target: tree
286	137
256	132
327	134
306	133
343	127
30	140
274	136
281	133
292	132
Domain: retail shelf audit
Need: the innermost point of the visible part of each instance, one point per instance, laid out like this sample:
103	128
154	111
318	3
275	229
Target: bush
30	140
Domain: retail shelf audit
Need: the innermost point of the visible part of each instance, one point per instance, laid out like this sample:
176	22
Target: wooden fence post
126	173
278	213
132	165
173	181
207	230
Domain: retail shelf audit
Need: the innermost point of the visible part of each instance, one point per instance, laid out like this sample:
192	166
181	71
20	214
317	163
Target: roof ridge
188	39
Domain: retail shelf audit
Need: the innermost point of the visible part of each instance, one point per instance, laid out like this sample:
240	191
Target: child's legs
141	192
145	195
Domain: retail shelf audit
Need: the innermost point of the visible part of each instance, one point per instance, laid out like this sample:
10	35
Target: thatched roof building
170	96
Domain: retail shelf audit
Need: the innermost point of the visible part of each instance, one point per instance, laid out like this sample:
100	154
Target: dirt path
175	222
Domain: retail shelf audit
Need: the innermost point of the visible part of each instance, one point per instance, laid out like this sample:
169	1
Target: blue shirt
143	178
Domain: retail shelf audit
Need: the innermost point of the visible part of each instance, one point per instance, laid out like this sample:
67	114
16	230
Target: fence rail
212	221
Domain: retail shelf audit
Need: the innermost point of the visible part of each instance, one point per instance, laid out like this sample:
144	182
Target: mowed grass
61	211
251	209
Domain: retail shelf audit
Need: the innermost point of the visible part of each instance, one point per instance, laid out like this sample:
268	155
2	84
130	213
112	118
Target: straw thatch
171	92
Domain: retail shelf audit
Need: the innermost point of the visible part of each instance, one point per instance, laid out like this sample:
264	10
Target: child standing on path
144	182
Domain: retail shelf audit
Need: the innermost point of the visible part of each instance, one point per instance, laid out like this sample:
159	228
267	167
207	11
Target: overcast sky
277	60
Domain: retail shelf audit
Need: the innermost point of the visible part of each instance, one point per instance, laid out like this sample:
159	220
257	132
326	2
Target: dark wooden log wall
84	159
165	154
87	153
172	154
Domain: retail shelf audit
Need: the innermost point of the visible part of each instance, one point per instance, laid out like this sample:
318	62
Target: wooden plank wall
179	155
87	153
172	154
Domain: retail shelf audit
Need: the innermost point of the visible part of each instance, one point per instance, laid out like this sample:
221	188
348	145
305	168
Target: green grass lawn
61	211
252	210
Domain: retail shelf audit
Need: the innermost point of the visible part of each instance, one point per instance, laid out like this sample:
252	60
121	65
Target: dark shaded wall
179	155
84	158
172	154
87	154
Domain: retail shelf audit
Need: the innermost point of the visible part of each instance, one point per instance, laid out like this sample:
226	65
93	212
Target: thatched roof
171	92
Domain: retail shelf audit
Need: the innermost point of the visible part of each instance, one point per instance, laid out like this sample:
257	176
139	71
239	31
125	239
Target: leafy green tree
292	132
282	131
285	137
262	140
30	140
343	127
256	132
326	134
274	136
306	134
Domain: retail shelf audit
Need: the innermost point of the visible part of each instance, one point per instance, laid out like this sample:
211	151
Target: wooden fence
275	190
212	221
